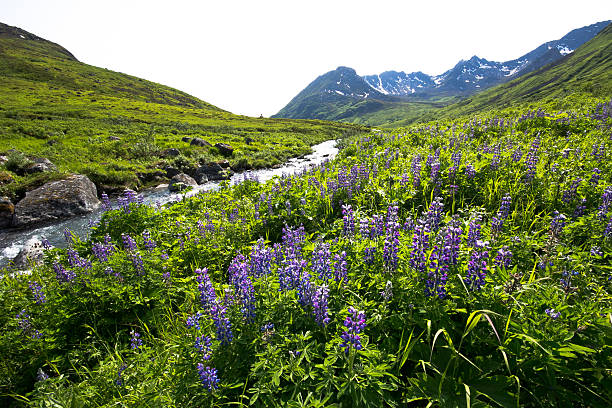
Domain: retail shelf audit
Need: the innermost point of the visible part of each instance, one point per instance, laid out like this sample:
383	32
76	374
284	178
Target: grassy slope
57	107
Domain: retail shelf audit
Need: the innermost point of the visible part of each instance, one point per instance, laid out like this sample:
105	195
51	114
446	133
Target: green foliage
500	345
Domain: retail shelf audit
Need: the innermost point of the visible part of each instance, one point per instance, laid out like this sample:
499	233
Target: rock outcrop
7	212
75	195
224	149
196	141
180	182
30	255
40	165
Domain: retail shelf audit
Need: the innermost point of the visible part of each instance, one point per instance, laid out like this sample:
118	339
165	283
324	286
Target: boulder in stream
30	255
7	212
181	182
75	195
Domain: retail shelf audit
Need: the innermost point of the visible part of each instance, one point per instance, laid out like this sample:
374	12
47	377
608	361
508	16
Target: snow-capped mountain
469	76
341	91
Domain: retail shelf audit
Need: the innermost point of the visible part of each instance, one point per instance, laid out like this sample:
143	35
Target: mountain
412	92
587	70
119	130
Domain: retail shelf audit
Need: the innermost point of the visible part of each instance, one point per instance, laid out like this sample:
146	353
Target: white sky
252	57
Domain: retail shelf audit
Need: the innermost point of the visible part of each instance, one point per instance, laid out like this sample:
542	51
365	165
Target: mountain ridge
465	78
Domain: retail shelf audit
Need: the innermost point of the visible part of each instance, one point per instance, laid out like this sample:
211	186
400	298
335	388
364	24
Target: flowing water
12	241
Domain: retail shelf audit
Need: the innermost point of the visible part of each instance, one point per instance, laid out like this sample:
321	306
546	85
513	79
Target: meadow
451	263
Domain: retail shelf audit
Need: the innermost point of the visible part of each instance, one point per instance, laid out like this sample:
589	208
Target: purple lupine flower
387	292
194	321
369	254
203	345
319	304
596	251
106	204
595	177
239	278
608	230
557	224
470	172
552	314
531	160
474	234
340	267
354	324
62	274
477	267
119	379
437	274
26	326
135	341
321	262
208	377
149	244
495	160
420	245
37	291
416	171
68	236
517	155
348	221
391	245
606	203
41	375
137	262
504	210
570	193
580	209
207	291
434	215
503	258
46	244
128	243
222	323
261	259
102	251
566	281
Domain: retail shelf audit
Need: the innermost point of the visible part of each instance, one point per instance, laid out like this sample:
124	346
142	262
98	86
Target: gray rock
212	171
113	138
40	165
3	159
181	182
7	212
248	140
196	141
170	152
75	195
186	139
224	149
171	171
31	254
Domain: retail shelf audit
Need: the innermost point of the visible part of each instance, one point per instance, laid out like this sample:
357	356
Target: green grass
69	112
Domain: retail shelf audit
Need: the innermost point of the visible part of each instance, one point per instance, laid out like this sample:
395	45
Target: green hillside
113	127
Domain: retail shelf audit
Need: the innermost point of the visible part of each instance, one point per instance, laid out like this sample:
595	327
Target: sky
253	57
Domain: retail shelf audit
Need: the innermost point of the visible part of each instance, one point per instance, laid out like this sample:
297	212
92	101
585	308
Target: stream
12	241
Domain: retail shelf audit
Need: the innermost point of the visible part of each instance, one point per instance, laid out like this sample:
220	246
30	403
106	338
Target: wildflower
208	376
203	345
552	314
340	267
194	321
504	210
503	258
348	221
354	324
149	244
368	255
119	379
319	303
207	291
477	267
387	292
135	341
391	246
321	261
557	224
37	291
224	327
41	375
